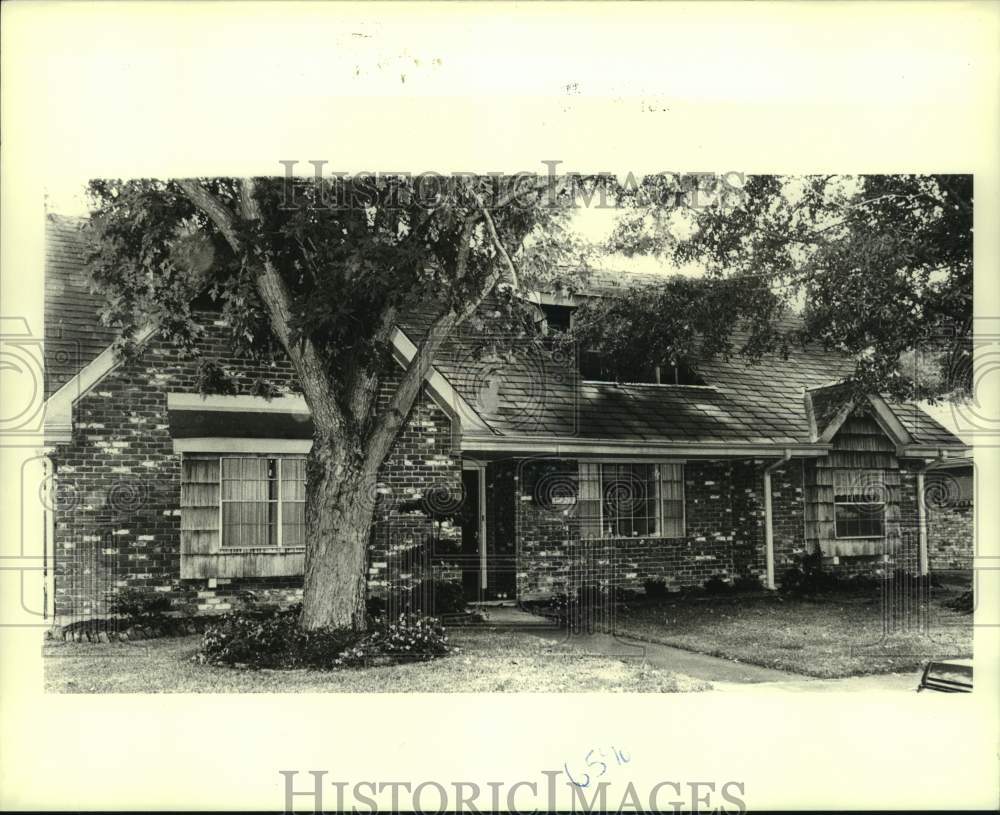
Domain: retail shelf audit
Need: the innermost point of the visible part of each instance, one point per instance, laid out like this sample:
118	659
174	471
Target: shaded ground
489	661
834	636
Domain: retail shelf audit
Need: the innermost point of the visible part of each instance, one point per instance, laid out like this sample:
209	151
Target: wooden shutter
199	505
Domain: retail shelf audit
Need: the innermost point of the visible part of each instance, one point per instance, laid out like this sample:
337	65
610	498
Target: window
263	501
557	318
631	500
600	367
859	498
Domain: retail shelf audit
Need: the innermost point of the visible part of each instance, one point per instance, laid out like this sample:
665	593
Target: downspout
769	518
49	540
922	524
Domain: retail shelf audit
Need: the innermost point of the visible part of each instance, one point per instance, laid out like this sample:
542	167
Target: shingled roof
73	332
534	389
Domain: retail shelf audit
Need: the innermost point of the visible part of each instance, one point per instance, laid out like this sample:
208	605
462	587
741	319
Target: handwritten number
604	767
620	756
574	781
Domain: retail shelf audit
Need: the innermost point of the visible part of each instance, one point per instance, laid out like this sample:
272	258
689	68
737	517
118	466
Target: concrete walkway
729	675
511	617
724	674
667	658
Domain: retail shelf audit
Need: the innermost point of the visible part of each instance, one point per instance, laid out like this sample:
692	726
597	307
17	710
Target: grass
832	636
488	661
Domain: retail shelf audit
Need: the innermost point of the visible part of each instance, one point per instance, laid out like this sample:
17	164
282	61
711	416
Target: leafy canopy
879	266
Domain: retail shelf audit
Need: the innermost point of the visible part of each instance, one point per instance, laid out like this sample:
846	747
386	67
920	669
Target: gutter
769	517
577	446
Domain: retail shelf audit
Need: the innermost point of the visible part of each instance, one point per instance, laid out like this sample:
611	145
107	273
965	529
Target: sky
67	196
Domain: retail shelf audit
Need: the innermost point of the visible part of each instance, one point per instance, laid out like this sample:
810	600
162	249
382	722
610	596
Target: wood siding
860	444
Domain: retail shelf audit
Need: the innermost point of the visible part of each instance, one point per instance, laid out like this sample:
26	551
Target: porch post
769	519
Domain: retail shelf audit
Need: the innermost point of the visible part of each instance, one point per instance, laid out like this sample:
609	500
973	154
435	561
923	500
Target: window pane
293	479
293	523
672	503
629	499
249	523
589	502
247	479
860	520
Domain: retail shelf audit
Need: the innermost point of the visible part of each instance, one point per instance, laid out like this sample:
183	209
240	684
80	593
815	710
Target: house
518	472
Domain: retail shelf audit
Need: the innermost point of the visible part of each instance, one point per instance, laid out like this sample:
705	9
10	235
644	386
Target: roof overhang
192	416
59	406
441	390
573	447
883	414
954	455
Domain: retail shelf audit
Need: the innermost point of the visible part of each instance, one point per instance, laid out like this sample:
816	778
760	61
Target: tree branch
390	422
491	227
313	377
219	214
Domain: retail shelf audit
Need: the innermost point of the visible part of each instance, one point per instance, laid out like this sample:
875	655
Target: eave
634	449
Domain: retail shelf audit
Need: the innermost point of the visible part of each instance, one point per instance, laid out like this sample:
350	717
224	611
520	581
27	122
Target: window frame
882	504
279	500
657	464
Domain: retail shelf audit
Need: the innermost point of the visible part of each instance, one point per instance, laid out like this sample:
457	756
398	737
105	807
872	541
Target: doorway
472	524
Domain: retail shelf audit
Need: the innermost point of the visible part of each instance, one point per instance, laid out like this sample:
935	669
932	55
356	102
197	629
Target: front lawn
832	636
488	661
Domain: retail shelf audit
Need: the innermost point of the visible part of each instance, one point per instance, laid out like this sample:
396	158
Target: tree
321	271
880	267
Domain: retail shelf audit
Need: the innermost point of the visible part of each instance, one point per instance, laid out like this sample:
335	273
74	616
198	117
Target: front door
470	526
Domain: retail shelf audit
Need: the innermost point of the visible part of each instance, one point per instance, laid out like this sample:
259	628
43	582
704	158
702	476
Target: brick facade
117	515
724	530
117	518
950	543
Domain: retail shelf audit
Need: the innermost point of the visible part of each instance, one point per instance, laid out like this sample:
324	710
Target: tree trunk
339	515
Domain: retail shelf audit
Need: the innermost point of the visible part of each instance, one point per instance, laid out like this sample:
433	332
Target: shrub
433	597
448	597
408	638
139	604
273	639
747	582
716	584
963	603
808	576
656	588
260	638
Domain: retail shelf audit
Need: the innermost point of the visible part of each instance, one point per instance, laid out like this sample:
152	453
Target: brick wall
787	508
950	518
724	530
117	517
420	486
